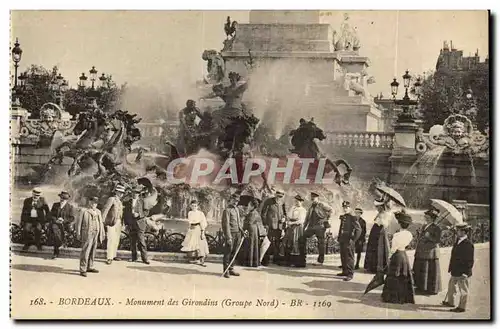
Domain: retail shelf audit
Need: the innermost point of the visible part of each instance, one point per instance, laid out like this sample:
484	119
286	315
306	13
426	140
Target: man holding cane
232	228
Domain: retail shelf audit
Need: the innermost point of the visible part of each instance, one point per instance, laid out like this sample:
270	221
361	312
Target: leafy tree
36	92
445	93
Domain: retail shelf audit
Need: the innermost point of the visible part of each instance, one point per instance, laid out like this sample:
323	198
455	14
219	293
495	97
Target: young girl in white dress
195	242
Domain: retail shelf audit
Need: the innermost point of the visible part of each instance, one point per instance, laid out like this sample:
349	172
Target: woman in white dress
398	286
293	241
195	243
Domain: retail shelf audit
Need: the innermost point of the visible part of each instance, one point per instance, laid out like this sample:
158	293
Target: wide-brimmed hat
359	209
37	192
120	188
434	213
315	194
346	204
403	218
138	189
299	197
64	195
280	192
462	226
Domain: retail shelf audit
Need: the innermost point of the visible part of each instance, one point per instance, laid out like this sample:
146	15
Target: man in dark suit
232	228
33	216
316	223
135	217
360	243
61	216
349	232
274	216
461	263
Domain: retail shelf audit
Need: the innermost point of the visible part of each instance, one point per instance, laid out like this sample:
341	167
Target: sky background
161	48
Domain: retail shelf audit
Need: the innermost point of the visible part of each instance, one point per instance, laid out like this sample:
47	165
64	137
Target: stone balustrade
382	140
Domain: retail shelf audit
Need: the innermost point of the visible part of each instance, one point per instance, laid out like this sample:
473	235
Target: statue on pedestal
348	39
216	67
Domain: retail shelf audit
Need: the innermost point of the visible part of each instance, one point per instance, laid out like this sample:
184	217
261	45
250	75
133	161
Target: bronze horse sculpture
103	138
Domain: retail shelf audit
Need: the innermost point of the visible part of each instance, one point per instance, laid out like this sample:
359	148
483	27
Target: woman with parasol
377	248
398	285
426	265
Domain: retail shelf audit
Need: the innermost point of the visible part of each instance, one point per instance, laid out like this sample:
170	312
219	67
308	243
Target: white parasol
447	211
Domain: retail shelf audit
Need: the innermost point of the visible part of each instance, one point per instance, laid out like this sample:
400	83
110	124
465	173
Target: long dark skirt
294	251
377	250
398	286
427	276
251	248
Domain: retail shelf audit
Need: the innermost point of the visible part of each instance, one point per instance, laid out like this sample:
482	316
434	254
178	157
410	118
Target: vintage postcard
310	164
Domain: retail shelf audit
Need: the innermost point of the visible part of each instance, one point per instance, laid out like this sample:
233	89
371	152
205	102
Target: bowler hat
346	204
299	197
64	195
314	193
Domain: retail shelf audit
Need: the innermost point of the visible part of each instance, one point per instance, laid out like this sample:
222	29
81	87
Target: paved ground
35	276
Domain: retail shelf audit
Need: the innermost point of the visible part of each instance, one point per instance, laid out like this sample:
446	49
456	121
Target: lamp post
93	75
103	80
17	53
59	85
406	103
82	81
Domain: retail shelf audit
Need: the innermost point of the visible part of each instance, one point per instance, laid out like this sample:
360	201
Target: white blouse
197	217
383	218
401	240
297	215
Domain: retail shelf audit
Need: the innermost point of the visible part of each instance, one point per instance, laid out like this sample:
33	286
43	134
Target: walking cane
234	257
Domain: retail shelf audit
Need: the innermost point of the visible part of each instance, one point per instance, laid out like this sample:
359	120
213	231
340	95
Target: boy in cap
316	223
33	216
349	232
112	214
61	215
461	263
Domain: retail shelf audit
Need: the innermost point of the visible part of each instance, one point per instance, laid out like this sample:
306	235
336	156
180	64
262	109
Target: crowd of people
265	231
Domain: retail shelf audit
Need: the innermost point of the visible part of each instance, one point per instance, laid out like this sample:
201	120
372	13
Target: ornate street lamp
406	103
17	53
103	80
93	75
82	81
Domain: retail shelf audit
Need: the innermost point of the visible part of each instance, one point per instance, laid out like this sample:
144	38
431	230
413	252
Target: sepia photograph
250	165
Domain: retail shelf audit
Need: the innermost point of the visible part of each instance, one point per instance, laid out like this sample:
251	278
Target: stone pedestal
294	48
405	138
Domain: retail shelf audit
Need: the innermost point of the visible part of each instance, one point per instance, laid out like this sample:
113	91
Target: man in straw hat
61	215
89	231
273	217
232	228
33	216
112	214
316	223
461	263
134	216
